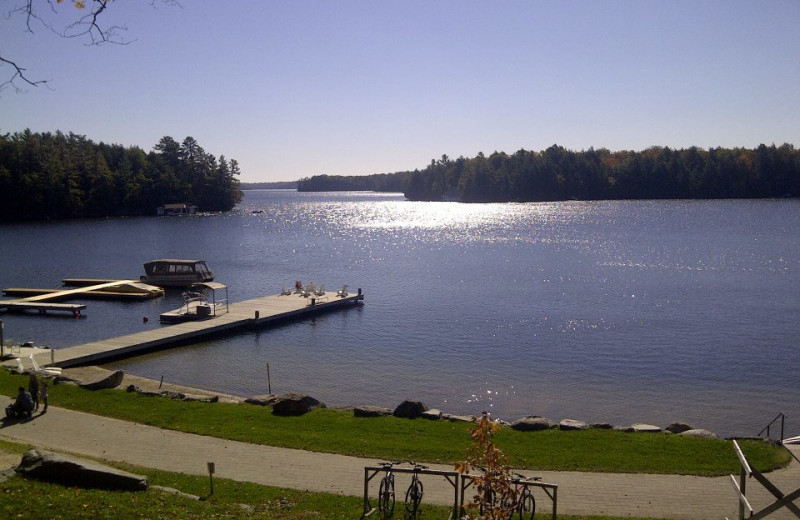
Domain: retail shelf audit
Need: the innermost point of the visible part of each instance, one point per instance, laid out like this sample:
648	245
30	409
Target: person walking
43	395
33	388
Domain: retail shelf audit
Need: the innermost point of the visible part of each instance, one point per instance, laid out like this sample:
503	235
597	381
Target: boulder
602	426
409	409
434	414
295	404
111	380
645	428
677	427
200	398
371	411
532	423
699	433
71	471
458	418
263	400
572	424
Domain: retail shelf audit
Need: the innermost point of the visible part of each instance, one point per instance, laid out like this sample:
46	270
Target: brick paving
658	496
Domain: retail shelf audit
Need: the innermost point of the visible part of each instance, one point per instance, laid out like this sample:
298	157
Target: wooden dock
257	312
42	299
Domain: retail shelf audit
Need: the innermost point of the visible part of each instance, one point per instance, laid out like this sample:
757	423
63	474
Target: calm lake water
633	311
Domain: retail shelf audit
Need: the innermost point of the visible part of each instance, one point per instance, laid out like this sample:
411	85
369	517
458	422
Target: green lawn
390	438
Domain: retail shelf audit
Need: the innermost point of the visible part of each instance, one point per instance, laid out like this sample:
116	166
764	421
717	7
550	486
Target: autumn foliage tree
495	494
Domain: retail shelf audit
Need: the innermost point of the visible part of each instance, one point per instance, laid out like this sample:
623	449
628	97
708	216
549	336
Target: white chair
51	371
343	292
321	290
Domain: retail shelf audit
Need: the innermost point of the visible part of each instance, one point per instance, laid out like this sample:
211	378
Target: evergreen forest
386	182
57	176
560	174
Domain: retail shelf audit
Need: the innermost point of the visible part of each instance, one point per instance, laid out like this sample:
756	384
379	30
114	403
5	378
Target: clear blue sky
300	88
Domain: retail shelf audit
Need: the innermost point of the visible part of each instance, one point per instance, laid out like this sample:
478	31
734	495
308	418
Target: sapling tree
495	494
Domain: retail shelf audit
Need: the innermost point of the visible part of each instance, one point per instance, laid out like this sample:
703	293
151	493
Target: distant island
58	176
288	185
596	174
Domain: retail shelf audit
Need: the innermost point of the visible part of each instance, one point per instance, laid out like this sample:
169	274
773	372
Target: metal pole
161	383
211	476
2	343
269	383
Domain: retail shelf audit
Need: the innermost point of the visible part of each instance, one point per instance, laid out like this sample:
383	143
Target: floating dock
42	299
247	314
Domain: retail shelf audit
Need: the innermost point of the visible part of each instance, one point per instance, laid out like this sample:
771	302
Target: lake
612	311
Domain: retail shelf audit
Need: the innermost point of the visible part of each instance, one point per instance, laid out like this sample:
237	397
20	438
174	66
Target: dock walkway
249	313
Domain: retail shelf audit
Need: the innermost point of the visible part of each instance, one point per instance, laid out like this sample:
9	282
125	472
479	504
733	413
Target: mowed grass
389	438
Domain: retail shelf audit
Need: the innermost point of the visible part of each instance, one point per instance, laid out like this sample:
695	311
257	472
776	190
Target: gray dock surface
249	313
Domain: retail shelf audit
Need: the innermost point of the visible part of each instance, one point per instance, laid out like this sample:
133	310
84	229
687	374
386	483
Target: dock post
313	301
2	344
52	357
257	315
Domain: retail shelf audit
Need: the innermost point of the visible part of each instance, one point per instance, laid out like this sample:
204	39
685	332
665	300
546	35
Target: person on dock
44	396
33	388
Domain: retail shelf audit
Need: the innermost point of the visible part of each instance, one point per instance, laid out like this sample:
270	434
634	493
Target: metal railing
766	429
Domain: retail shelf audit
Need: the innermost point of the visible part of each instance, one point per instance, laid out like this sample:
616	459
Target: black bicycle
415	490
386	490
524	504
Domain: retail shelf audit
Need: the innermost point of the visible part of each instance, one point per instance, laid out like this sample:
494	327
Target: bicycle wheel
414	496
527	505
487	504
386	497
508	504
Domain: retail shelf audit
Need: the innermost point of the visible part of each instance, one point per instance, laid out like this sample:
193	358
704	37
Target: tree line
560	174
386	182
656	173
57	176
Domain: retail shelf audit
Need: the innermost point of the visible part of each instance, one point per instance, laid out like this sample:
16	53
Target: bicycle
525	505
386	490
415	491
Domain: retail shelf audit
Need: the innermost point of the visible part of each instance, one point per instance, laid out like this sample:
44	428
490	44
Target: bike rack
551	490
371	471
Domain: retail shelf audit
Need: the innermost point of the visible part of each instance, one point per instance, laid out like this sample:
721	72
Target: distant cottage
176	209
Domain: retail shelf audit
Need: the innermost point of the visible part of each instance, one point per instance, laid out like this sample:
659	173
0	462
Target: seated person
23	404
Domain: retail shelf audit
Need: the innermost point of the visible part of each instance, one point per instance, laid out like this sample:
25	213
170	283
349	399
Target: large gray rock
602	426
459	418
572	424
678	427
371	411
71	471
532	423
645	428
112	380
699	433
295	404
433	414
409	409
263	400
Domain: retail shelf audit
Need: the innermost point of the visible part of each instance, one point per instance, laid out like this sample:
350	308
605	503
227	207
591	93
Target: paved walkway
660	496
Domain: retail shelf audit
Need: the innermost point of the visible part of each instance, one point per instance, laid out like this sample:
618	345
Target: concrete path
659	496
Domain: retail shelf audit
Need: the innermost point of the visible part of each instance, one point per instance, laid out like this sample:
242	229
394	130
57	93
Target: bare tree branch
19	73
87	26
